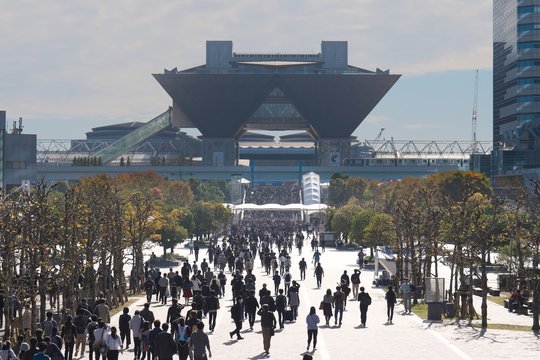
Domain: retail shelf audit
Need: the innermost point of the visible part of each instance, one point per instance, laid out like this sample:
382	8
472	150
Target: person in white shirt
135	325
7	353
114	345
100	336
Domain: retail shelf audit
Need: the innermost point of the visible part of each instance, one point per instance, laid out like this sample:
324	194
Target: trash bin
434	311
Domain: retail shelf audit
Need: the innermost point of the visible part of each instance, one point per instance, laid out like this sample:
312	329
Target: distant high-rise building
516	84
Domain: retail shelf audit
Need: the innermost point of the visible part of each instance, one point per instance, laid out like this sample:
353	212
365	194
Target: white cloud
95	59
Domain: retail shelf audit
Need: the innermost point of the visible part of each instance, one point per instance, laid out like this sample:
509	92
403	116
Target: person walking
319	274
164	345
68	336
80	321
212	306
268	326
406	294
312	321
316	257
365	300
199	343
391	300
277	280
281	304
251	307
294	298
123	326
327	304
237	316
338	302
135	324
355	281
302	265
114	345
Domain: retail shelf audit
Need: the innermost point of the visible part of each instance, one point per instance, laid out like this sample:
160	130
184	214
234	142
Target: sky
67	66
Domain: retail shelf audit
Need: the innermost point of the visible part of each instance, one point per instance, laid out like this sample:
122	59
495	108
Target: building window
528	9
527	27
15	164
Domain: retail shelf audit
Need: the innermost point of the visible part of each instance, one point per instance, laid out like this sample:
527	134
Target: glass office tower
516	82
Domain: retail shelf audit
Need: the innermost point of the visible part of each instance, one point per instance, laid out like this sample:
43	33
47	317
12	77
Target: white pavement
408	338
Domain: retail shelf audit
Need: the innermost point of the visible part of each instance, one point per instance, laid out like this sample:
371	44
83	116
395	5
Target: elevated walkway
134	138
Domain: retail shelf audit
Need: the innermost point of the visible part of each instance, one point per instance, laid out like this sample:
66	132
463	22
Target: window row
528	9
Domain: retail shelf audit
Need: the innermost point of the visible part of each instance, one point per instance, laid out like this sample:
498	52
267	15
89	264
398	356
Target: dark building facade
234	93
516	84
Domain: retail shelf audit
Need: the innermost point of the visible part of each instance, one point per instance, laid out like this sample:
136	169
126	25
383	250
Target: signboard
335	159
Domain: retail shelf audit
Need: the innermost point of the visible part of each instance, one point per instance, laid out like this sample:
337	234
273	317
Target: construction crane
379	135
475	108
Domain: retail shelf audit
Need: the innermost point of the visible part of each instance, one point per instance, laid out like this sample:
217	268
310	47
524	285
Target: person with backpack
287	278
92	325
80	321
68	335
365	300
149	289
355	281
48	324
391	300
294	298
123	326
183	333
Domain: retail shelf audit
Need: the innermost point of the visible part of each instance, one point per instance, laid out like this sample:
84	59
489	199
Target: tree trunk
484	290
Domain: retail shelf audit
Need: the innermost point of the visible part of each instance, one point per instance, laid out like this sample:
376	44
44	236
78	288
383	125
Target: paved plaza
408	338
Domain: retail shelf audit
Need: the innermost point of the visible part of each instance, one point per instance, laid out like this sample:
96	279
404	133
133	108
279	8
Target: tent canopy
277	207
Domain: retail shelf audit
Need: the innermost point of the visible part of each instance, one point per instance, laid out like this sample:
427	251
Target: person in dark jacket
390	302
212	306
251	306
237	316
68	336
281	304
152	337
52	350
174	310
268	325
365	300
164	344
123	326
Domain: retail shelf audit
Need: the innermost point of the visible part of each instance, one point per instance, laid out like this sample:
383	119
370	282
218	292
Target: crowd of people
288	193
194	294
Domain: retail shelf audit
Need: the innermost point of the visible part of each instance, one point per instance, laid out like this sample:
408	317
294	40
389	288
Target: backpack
68	334
368	299
91	327
80	324
287	277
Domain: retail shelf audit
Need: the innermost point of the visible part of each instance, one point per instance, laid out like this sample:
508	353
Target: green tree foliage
360	220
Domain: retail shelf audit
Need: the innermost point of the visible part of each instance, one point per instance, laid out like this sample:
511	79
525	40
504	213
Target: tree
379	230
360	221
337	191
342	219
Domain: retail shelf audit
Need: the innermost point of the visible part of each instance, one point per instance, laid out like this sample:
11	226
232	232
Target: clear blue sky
67	66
